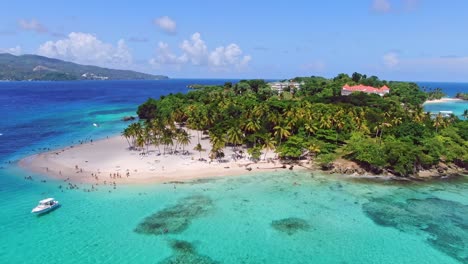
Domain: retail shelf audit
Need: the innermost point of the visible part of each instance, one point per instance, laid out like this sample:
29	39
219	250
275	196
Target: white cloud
381	6
166	57
226	56
32	25
195	49
391	59
195	52
88	49
166	24
15	51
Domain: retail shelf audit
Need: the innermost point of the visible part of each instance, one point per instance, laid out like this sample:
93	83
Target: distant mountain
39	68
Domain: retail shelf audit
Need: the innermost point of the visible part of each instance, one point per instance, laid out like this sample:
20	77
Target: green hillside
39	68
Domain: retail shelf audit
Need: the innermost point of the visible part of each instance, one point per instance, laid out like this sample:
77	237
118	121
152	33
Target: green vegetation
462	96
314	122
39	68
435	94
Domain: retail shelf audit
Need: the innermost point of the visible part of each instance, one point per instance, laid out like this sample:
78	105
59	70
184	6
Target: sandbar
110	160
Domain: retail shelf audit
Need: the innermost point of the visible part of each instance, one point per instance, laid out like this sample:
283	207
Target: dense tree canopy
390	132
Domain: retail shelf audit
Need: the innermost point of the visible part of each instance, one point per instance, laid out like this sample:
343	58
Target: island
40	68
462	96
356	125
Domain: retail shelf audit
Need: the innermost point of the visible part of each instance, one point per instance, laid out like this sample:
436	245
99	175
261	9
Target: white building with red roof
347	90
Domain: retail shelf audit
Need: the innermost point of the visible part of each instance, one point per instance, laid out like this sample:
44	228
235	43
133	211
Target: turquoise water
457	107
276	217
230	220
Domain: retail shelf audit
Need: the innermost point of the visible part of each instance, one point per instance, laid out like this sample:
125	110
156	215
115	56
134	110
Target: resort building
347	90
281	86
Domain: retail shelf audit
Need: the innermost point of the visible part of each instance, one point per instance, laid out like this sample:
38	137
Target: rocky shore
441	170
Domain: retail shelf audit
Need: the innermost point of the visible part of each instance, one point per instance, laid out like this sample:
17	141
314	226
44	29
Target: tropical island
388	134
40	68
462	96
348	125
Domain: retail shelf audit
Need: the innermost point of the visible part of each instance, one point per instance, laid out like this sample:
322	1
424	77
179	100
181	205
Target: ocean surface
275	217
450	89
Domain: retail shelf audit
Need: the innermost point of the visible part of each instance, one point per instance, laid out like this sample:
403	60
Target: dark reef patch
176	218
446	222
202	181
290	225
184	252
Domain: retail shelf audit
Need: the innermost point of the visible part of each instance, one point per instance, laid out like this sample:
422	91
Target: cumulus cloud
15	51
223	57
88	49
391	59
166	24
166	57
32	25
381	6
195	52
195	49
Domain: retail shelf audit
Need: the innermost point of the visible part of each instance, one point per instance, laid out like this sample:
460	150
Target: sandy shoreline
110	160
443	100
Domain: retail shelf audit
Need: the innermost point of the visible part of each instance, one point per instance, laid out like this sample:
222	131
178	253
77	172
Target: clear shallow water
450	89
277	217
456	107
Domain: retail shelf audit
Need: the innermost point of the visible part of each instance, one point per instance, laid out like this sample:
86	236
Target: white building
281	86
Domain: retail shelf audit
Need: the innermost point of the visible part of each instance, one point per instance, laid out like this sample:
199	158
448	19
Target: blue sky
420	40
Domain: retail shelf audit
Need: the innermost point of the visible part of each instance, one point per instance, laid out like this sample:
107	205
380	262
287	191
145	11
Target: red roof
365	89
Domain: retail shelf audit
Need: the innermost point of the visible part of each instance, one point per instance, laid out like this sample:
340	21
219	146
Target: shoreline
443	100
110	161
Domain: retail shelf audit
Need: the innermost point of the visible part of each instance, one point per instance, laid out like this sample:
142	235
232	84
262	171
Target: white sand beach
443	100
110	160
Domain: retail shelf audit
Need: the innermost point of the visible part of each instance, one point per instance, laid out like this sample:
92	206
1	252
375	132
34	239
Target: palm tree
325	121
147	135
166	139
199	148
134	131
396	121
140	141
282	132
268	144
218	142
438	122
234	136
310	127
184	139
465	114
313	149
127	134
381	129
252	125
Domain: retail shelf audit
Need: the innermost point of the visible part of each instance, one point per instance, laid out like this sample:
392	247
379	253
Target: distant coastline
443	100
39	68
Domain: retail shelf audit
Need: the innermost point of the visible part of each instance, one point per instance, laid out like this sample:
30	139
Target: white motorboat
45	206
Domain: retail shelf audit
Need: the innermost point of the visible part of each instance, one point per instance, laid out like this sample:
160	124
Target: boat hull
46	210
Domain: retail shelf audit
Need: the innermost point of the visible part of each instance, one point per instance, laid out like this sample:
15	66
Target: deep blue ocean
268	217
451	89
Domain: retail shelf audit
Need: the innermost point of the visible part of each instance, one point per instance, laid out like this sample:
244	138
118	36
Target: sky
407	40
